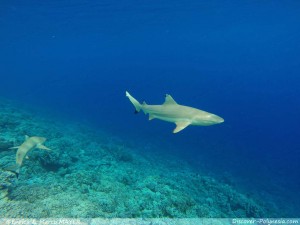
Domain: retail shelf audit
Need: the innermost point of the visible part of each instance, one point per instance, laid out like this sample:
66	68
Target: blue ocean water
237	59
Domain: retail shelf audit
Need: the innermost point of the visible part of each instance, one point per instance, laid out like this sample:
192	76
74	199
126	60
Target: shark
29	144
170	111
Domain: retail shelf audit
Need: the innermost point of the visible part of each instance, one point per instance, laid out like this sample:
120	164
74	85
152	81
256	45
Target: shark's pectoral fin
180	126
43	147
15	147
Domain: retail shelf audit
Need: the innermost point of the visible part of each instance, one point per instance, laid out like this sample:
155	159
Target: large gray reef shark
29	144
181	115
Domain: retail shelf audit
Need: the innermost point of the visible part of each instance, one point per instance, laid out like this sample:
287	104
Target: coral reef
91	174
5	145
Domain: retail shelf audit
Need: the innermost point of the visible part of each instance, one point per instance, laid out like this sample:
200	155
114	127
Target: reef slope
93	174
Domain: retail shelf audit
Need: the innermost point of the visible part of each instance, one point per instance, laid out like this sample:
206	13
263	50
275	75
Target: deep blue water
237	59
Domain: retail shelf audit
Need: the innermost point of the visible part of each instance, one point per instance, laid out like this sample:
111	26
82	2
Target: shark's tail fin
14	168
135	103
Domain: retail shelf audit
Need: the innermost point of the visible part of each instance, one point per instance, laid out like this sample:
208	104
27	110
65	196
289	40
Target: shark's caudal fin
135	103
14	168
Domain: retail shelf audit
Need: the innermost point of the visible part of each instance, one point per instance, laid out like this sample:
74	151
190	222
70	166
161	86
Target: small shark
29	144
181	115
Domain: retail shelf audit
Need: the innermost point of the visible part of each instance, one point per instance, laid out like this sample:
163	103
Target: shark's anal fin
151	117
180	126
43	147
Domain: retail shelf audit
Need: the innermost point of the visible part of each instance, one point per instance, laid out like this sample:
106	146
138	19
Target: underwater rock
119	152
53	161
5	144
3	193
6	179
31	193
8	123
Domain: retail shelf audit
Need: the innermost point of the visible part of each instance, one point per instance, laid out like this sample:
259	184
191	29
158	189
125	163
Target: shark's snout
207	120
220	120
217	119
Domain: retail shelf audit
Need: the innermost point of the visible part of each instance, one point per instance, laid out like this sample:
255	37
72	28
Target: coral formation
90	174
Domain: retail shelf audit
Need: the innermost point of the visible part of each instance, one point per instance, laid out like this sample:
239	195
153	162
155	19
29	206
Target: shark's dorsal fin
26	137
169	100
180	126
